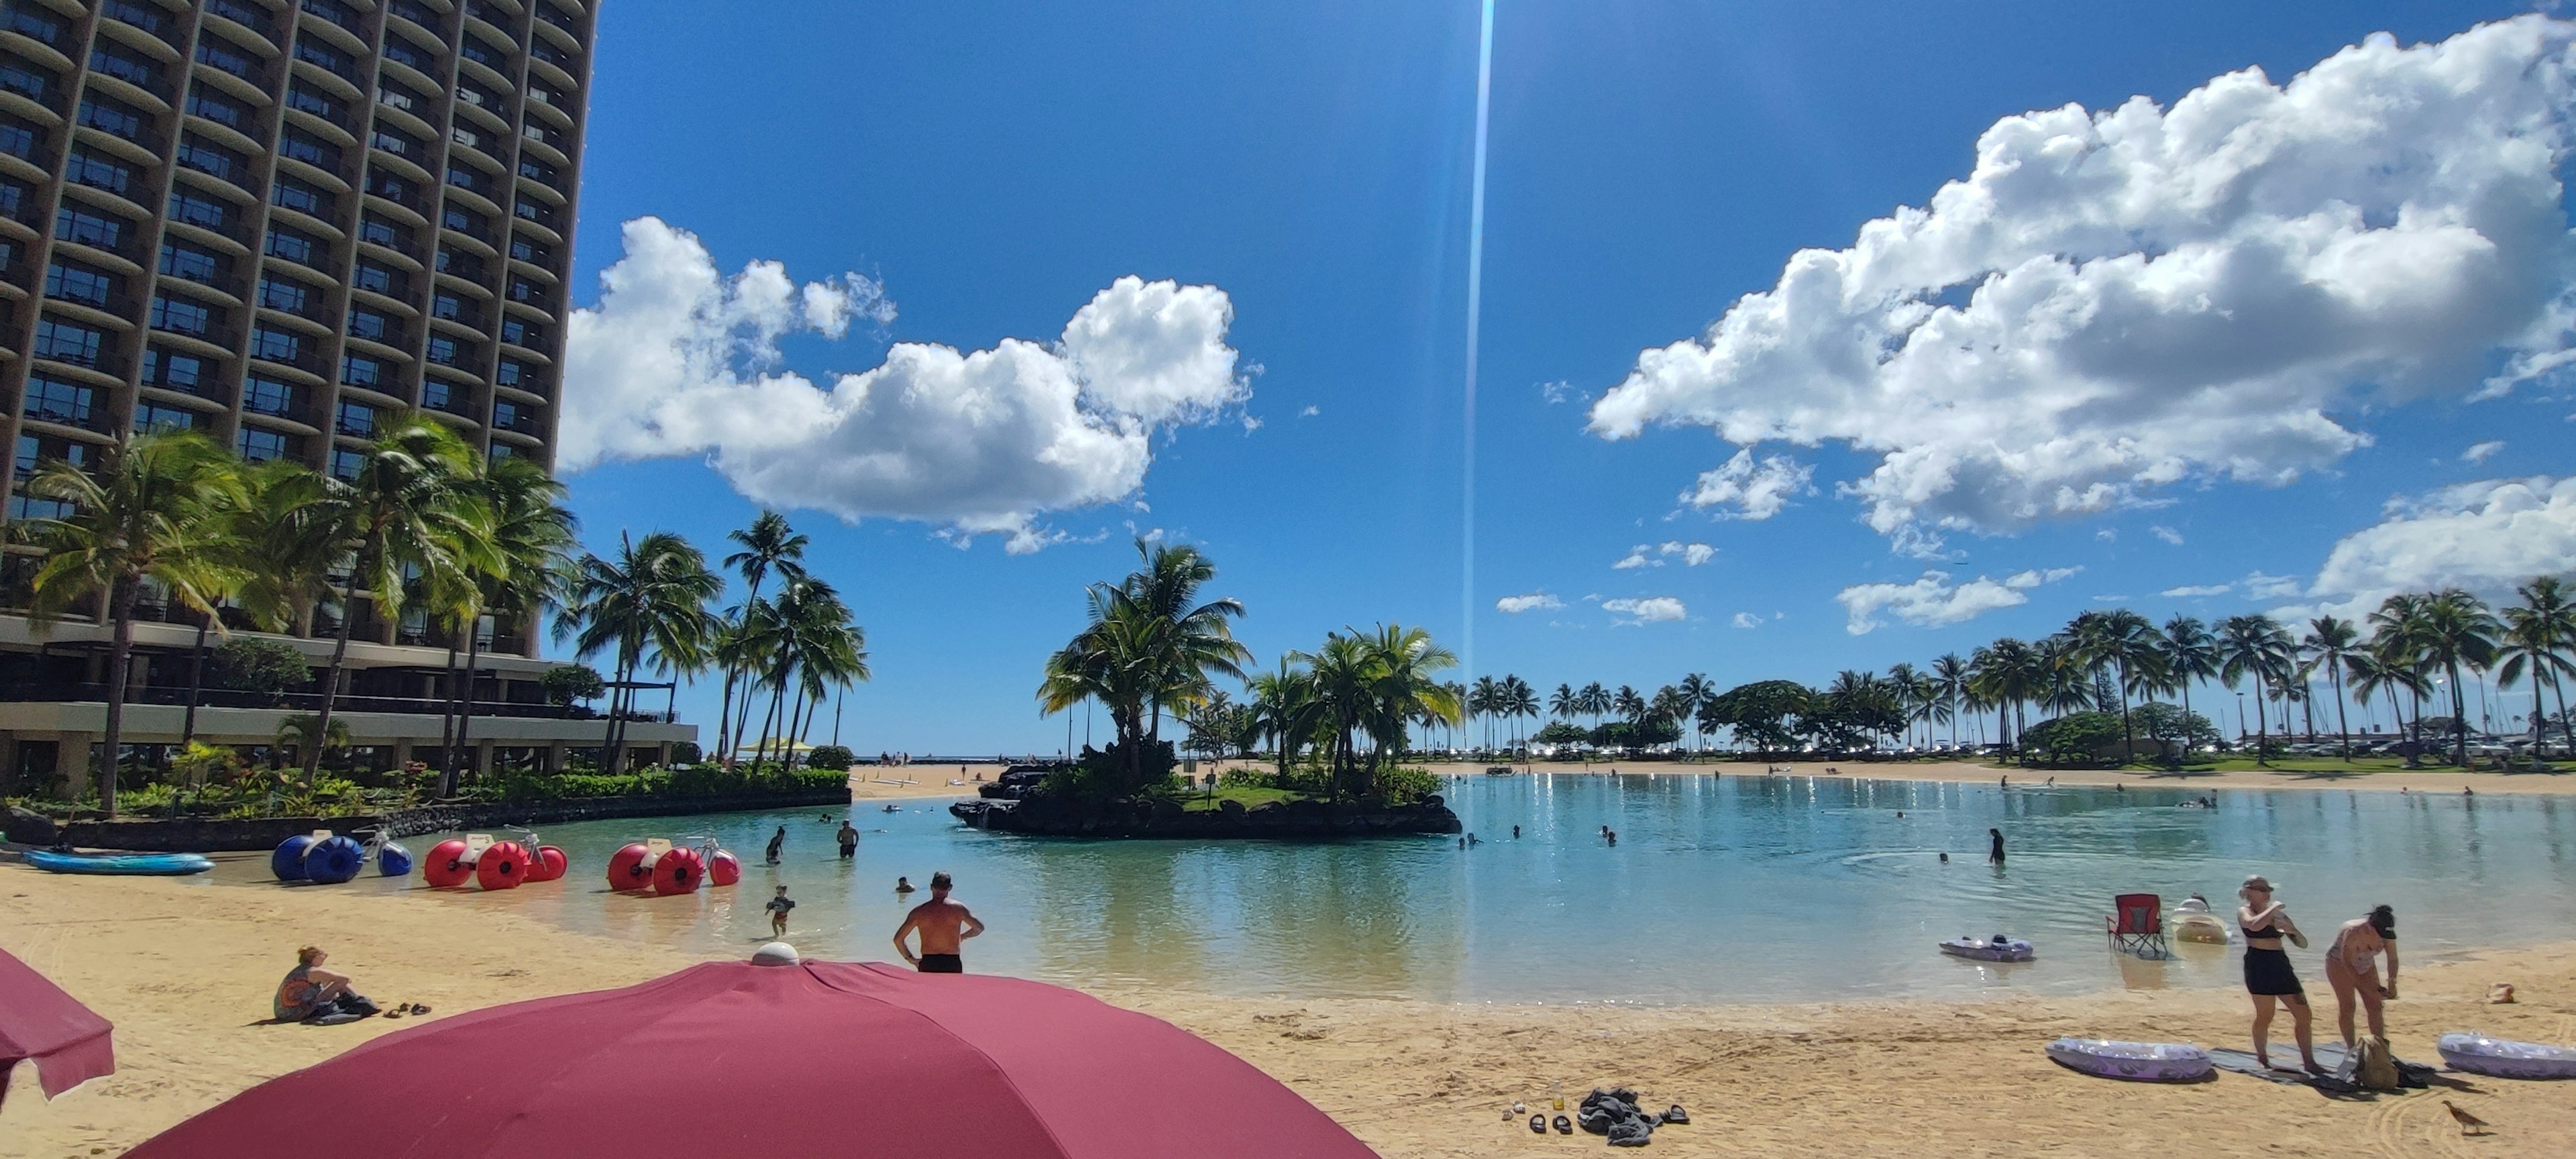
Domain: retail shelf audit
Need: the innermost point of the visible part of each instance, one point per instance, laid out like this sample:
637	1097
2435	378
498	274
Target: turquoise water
1719	890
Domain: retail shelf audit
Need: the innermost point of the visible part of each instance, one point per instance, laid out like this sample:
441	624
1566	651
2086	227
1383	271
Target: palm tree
1596	700
807	638
155	513
2536	631
1285	708
531	545
2124	641
2456	629
1484	701
1900	695
1696	693
2006	674
2190	655
1950	683
1630	706
2256	646
1516	701
414	511
2333	643
768	545
1565	703
1151	644
2066	683
648	605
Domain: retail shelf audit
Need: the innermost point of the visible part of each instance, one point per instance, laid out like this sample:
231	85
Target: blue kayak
128	864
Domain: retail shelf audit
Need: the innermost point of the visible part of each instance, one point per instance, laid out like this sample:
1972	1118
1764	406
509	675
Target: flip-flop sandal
1538	1124
1677	1115
394	1013
1564	1126
419	1009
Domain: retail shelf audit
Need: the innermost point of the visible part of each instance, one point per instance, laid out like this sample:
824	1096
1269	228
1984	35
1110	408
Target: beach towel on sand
2340	1067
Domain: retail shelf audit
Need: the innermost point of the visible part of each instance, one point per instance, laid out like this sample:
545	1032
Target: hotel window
111	116
189	263
199	210
259	446
286	294
300	197
268	396
150	417
276	345
181	316
173	371
346	464
83	167
221	54
220	109
376	278
56	401
64	342
212	159
293	246
357	420
74	223
445	351
359	370
73	282
373	325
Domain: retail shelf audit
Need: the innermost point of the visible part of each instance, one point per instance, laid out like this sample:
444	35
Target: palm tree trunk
120	669
196	682
331	678
2128	732
2262	727
2566	724
618	697
447	719
2343	723
724	719
465	713
2459	717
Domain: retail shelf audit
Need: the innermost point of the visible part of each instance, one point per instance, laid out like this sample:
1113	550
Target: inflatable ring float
2153	1062
2506	1059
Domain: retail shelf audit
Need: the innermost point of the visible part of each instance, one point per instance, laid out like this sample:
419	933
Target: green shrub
830	756
1404	786
571	682
257	664
2072	741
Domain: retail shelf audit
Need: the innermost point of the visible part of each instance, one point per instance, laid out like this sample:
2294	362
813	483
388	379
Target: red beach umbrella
37	1020
813	1058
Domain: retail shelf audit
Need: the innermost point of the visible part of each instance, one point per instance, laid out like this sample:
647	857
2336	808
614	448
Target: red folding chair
2138	926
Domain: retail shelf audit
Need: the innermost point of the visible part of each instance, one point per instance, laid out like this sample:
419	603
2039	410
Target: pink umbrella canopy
37	1020
816	1058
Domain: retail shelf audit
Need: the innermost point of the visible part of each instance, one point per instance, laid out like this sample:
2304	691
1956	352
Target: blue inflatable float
333	860
393	860
287	862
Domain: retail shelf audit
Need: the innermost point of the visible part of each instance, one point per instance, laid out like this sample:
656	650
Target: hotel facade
280	223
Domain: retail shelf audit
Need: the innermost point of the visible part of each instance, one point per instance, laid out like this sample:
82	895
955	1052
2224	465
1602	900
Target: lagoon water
1732	889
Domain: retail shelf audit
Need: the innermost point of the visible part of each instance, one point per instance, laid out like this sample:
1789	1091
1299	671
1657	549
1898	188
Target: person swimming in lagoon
903	885
1995	854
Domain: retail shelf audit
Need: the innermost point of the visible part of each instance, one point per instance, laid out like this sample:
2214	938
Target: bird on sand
2469	1124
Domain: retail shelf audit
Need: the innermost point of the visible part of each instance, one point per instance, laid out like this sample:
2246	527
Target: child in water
778	907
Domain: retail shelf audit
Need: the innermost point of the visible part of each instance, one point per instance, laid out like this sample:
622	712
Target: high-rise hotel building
278	222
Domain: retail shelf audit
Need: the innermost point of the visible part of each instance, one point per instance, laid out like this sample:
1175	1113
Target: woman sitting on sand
2352	968
310	993
2268	975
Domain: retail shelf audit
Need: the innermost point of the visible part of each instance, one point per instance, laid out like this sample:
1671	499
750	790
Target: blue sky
991	168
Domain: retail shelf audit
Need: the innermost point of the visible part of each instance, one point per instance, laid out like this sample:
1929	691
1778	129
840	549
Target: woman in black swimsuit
2268	975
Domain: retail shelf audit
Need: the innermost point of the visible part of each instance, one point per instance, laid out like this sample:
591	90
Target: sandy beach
909	781
185	969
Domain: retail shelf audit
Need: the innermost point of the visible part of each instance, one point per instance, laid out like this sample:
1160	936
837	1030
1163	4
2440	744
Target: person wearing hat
2268	976
2352	968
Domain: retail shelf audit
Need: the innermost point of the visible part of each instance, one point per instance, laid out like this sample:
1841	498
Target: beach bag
2378	1069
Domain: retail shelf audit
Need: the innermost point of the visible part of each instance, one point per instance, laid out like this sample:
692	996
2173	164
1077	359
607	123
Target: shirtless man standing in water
942	924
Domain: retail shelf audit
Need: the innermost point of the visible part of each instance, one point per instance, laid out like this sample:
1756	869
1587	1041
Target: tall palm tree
647	605
2536	633
2258	647
2126	643
1484	702
2008	674
2066	681
1696	693
155	512
1286	709
1151	644
414	511
2456	629
1518	701
1630	706
2332	643
768	545
1596	700
1950	683
1565	703
528	570
2190	655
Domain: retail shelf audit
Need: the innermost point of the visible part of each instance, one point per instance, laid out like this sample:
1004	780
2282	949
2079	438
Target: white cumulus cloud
680	359
2481	452
2195	591
1746	620
1646	609
2116	301
1754	491
2167	534
1695	554
1535	601
1638	556
1933	600
2486	537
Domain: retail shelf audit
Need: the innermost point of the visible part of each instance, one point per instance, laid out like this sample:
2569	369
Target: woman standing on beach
2268	975
2352	968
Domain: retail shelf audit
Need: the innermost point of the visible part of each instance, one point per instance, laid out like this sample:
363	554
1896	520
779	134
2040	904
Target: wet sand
185	970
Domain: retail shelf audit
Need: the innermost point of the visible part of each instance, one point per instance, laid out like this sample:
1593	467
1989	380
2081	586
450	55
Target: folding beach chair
2138	926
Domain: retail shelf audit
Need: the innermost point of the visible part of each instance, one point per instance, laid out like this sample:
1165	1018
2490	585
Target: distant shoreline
1966	772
